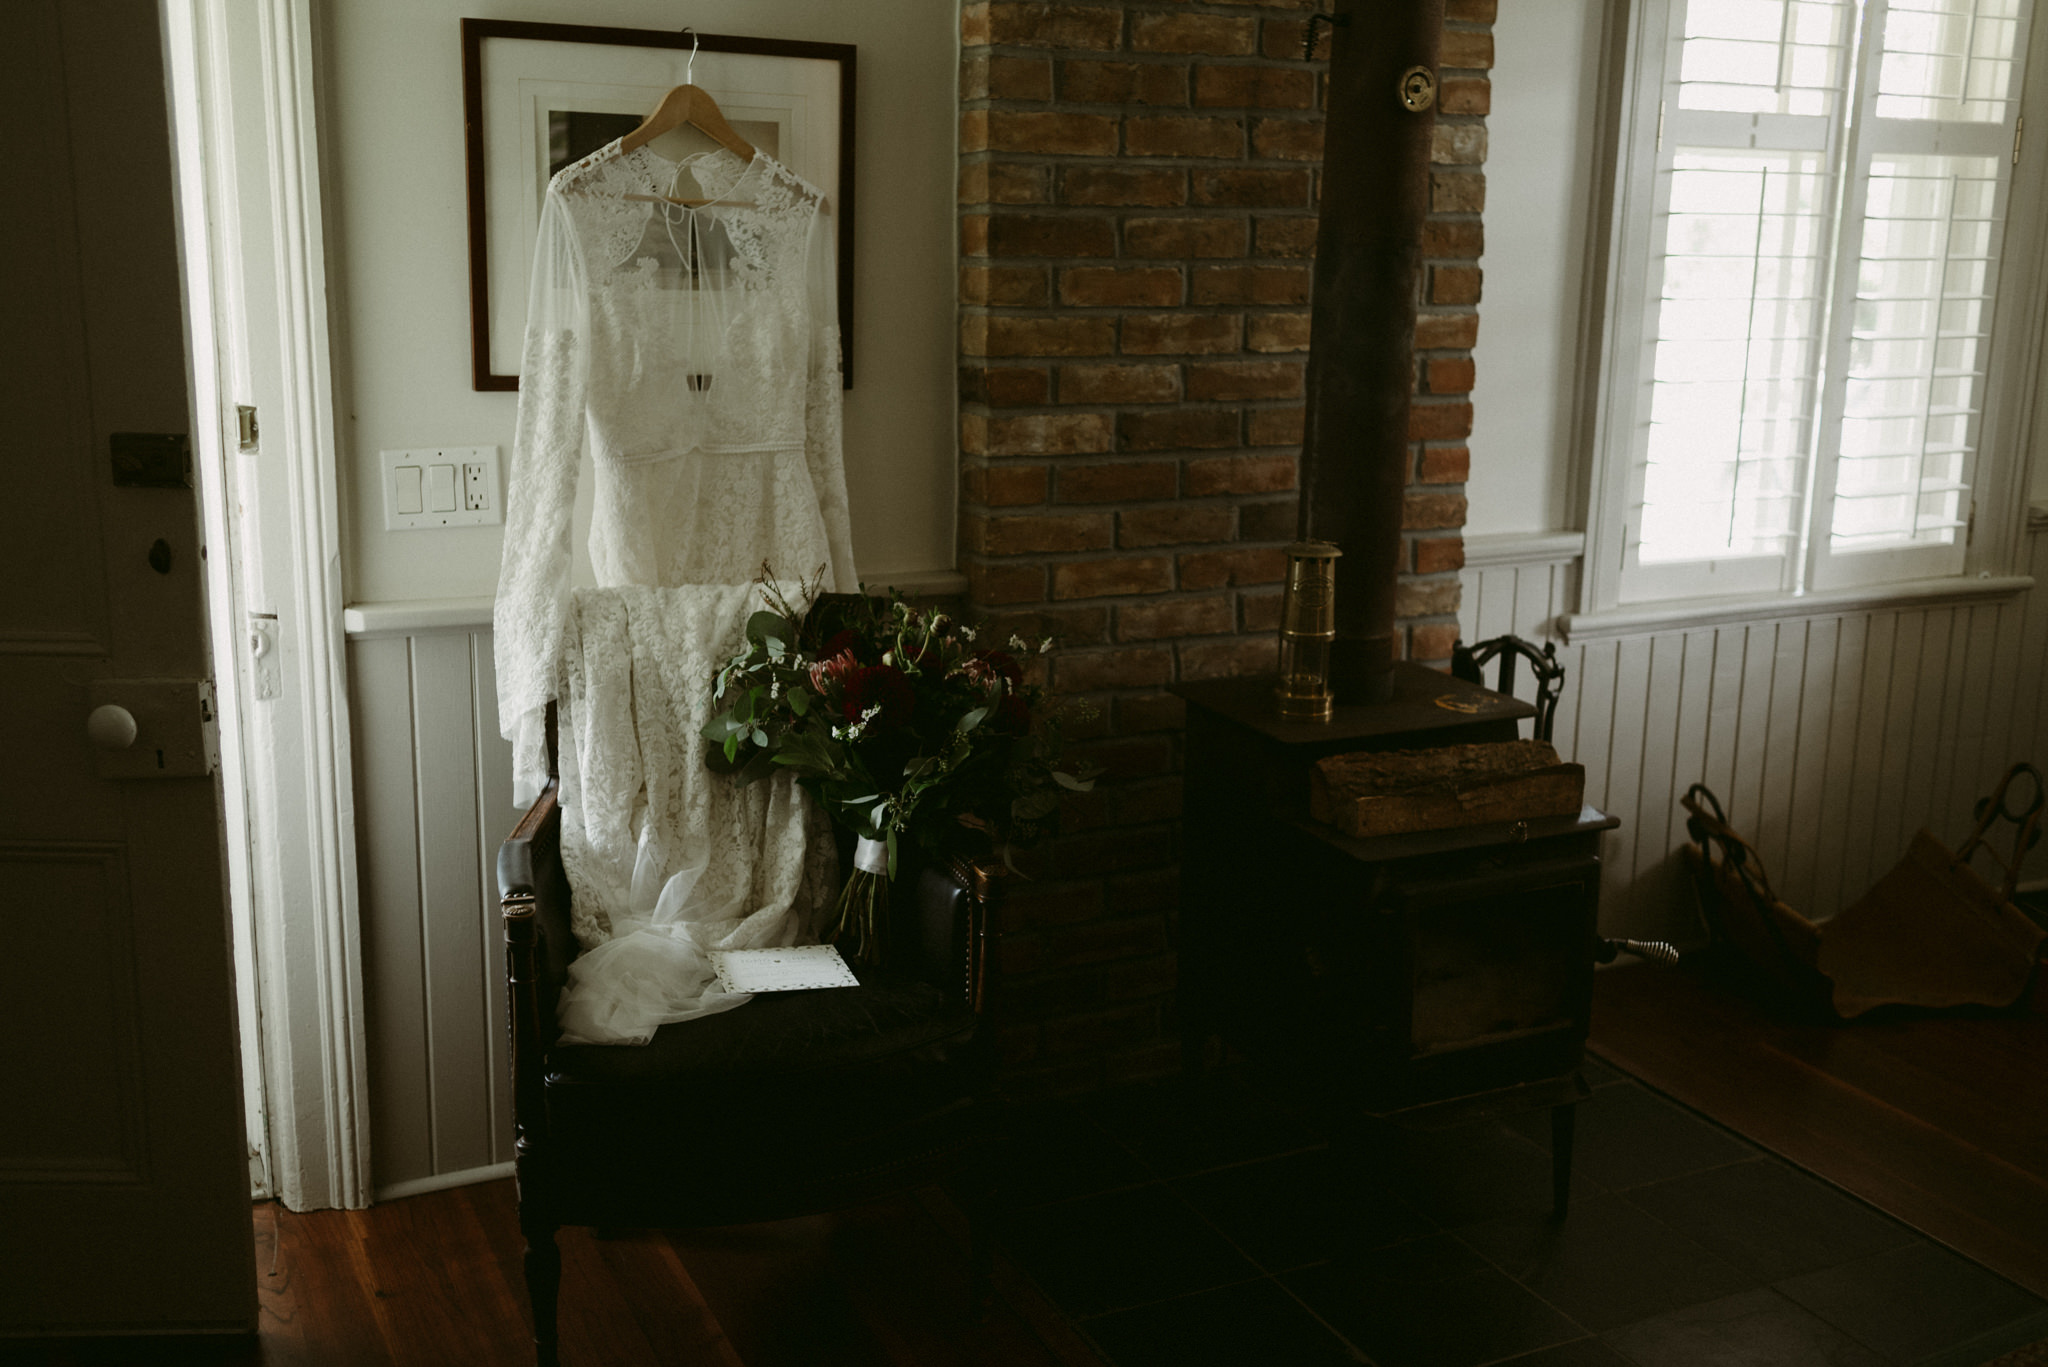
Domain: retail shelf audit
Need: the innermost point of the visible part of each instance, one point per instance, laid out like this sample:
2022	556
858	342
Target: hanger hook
690	69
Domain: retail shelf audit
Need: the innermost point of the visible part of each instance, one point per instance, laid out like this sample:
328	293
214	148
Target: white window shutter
1925	216
1742	255
1828	212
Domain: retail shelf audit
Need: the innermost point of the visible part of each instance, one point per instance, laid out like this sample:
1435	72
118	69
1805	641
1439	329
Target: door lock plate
173	727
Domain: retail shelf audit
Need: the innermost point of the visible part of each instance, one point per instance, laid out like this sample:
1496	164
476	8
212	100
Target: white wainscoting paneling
1829	738
434	798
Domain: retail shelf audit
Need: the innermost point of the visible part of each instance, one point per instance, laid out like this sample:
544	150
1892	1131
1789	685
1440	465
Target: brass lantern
1308	624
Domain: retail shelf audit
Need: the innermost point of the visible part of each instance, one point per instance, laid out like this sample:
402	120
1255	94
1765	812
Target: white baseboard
441	1181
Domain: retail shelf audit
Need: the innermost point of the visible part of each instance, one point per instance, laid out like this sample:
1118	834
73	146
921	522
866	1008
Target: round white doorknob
111	726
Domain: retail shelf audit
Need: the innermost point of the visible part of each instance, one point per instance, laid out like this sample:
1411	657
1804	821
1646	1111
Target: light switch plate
478	500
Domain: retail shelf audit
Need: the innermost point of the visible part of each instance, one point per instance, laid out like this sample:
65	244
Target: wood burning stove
1409	972
1403	975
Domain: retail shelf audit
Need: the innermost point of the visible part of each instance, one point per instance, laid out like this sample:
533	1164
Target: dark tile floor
1208	1221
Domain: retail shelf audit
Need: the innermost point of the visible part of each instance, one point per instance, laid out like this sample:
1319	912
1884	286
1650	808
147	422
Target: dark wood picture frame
477	32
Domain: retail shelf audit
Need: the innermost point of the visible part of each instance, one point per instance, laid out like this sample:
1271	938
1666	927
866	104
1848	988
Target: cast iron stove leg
1563	1122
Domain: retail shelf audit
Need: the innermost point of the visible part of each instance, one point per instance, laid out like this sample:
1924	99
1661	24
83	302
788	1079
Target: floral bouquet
902	726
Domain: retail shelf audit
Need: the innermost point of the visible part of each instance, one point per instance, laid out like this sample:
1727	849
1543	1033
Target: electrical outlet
445	486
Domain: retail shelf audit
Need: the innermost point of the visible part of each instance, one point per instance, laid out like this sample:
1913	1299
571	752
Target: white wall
392	110
1539	193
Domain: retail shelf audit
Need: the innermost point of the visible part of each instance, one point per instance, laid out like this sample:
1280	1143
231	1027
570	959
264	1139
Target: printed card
798	968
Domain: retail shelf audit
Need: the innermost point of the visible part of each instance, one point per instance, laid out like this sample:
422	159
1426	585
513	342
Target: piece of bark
1394	792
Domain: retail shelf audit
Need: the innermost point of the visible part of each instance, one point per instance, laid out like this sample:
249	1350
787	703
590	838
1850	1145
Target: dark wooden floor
435	1279
1941	1122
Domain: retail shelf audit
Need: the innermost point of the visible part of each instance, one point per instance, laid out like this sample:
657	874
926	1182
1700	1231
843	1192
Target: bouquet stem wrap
860	920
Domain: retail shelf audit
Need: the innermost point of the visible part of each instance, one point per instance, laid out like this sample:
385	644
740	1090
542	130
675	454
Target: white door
123	1175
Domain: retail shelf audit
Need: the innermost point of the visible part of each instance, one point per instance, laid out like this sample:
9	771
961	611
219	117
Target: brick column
1138	181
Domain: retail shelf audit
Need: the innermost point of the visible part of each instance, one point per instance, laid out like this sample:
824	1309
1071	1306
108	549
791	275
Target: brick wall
1138	181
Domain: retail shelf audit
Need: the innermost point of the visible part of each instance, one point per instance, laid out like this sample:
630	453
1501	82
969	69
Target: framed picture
536	97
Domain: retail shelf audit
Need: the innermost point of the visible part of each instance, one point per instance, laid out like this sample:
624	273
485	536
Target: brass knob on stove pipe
1308	624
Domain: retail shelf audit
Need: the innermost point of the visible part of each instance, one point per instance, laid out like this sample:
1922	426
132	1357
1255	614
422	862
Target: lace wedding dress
693	352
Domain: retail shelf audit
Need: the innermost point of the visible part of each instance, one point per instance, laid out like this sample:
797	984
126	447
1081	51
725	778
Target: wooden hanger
692	105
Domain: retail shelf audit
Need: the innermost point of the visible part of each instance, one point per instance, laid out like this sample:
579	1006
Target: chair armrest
951	928
539	945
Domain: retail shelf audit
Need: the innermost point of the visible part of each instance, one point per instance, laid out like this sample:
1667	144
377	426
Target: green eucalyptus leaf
799	701
759	767
1072	784
973	719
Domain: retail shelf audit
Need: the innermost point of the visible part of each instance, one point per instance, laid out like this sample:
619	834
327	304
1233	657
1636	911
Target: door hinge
2019	131
245	426
1660	126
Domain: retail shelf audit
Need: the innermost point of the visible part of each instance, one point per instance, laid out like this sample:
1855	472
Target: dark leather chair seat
778	1037
823	1080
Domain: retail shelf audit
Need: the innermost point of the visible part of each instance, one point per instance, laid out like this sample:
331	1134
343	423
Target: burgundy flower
1006	665
1013	713
924	657
882	686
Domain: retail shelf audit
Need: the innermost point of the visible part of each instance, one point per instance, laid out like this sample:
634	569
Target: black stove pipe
1375	194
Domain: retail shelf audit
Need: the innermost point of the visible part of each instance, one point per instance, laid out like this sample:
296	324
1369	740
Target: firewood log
1398	791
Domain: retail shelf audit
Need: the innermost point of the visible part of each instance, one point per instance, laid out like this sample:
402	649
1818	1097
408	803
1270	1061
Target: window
1811	279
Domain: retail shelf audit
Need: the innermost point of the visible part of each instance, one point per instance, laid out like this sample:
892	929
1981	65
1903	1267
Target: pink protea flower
833	670
995	671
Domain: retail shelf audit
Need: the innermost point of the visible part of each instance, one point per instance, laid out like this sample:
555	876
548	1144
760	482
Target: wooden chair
796	1103
1469	662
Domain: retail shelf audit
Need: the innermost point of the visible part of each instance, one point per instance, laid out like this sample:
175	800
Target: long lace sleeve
824	400
533	577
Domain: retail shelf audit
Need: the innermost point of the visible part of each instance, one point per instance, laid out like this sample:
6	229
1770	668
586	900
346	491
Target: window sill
1644	619
1522	548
